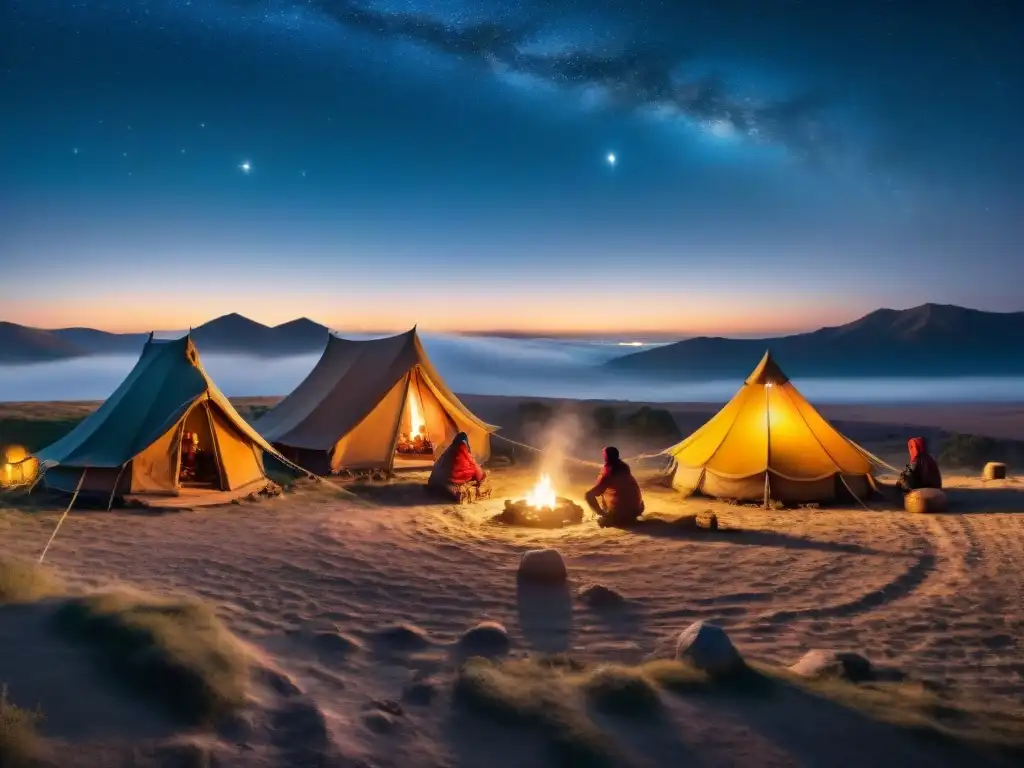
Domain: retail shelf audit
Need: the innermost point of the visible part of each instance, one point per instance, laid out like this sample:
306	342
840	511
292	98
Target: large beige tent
768	442
349	412
131	445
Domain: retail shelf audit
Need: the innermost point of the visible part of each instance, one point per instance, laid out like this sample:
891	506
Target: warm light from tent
415	415
542	495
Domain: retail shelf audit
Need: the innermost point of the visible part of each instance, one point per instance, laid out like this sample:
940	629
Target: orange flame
543	494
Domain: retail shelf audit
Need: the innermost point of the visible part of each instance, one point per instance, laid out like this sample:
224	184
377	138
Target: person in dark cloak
616	498
921	471
456	468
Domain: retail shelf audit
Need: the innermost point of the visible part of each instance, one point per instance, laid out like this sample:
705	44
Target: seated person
189	451
456	467
616	499
921	471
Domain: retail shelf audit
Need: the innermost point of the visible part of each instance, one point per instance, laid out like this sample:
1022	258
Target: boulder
836	665
925	500
994	470
542	566
600	596
488	638
707	647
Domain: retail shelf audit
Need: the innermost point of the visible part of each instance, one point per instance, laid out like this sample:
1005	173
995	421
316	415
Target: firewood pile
521	512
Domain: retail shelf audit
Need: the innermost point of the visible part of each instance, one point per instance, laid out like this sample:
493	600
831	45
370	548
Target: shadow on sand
545	616
659	527
988	500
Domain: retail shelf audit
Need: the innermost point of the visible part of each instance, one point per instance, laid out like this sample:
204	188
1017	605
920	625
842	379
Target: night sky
778	165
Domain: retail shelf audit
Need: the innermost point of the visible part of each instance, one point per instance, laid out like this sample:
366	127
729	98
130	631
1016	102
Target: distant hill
20	344
235	333
228	334
929	340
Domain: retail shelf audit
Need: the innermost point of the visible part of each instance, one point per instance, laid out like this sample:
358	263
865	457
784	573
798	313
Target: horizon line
505	332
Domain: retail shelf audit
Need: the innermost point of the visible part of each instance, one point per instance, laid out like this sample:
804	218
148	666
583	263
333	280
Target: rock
390	706
488	638
600	596
707	647
834	664
542	566
994	470
405	637
379	722
925	500
335	642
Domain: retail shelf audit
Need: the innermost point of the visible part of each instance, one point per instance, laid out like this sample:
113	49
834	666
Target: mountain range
931	340
233	334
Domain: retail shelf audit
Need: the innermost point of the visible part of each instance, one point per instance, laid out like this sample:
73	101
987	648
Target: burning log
542	508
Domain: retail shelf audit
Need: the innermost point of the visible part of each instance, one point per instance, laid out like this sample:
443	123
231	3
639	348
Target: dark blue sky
779	164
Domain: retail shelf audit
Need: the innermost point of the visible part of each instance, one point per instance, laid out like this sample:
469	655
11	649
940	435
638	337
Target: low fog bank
494	366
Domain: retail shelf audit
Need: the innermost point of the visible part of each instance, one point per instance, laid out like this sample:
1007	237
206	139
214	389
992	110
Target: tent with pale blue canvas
132	445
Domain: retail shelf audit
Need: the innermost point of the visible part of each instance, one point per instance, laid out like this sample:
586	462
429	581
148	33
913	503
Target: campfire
415	441
542	508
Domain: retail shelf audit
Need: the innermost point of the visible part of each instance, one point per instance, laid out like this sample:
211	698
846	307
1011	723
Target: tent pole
768	444
398	424
117	482
216	447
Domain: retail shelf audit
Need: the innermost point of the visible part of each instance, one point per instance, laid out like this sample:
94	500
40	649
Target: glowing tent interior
166	431
372	405
769	443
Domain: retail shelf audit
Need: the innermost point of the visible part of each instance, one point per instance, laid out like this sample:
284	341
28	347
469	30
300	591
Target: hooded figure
456	466
616	498
921	471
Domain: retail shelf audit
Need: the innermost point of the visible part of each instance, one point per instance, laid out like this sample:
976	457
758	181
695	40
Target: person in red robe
456	468
616	498
922	471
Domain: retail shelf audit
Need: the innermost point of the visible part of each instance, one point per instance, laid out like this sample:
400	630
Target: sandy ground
939	596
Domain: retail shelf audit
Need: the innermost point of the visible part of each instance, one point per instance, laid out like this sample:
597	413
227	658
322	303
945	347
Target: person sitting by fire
921	471
456	468
420	442
616	498
189	455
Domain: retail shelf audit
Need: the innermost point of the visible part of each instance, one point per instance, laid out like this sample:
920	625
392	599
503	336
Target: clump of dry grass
554	695
529	694
621	690
20	745
24	581
921	710
174	649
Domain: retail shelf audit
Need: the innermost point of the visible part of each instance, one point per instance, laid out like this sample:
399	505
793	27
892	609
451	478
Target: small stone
488	638
834	664
600	596
707	647
543	566
379	722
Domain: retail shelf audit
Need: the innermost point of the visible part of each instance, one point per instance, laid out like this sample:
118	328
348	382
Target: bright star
245	167
611	158
74	151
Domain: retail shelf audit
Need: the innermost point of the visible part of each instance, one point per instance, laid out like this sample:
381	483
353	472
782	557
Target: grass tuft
621	690
20	745
24	581
532	695
174	649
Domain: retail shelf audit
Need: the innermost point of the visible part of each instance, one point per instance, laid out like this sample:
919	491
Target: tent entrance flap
425	428
200	463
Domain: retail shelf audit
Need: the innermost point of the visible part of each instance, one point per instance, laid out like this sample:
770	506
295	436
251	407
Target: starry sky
778	164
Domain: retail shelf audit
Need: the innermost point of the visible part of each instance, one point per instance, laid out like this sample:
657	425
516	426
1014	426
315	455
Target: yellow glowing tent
768	442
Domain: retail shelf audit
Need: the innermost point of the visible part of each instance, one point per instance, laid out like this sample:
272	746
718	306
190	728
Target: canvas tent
349	412
768	442
131	445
